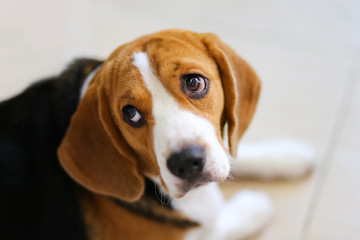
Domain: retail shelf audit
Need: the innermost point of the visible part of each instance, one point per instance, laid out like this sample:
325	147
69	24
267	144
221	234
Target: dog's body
126	151
38	199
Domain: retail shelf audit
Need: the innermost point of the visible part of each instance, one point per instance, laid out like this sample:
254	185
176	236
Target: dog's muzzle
187	164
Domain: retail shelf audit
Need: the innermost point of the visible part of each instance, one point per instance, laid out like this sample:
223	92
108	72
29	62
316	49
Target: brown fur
105	220
110	158
241	86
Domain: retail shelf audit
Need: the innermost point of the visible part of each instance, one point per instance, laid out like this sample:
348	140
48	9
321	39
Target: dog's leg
239	218
273	159
244	215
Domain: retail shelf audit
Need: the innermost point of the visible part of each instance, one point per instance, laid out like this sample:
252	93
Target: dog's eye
195	85
132	116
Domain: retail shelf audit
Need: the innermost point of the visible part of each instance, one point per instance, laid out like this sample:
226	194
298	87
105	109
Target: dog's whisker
234	170
231	176
226	181
164	198
157	195
166	195
169	201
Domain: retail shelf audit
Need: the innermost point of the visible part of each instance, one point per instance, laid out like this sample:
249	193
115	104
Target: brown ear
94	152
241	88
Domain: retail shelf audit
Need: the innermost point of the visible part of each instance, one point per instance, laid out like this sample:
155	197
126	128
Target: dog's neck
156	206
109	218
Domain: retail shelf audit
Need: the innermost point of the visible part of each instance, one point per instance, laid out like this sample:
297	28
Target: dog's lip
186	186
184	189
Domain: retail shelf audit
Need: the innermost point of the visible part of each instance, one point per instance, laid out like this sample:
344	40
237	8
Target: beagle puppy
132	147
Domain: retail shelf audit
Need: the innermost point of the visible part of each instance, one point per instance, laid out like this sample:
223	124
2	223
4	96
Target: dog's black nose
188	163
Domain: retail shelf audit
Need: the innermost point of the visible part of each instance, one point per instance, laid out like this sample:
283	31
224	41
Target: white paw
275	158
245	214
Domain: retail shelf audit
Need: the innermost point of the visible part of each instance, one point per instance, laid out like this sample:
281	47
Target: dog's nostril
187	163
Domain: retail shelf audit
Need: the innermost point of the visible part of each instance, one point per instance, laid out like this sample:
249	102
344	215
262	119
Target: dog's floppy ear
94	152
241	88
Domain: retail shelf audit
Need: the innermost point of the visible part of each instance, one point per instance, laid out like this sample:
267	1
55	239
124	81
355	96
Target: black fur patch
37	198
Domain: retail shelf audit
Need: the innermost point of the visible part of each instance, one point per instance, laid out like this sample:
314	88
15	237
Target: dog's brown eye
132	116
195	85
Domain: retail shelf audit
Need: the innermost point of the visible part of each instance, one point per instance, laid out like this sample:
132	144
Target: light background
306	52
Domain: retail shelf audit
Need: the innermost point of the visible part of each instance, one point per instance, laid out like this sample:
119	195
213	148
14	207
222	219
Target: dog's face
178	120
157	108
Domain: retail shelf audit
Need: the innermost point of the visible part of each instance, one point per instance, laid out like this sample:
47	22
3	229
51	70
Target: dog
133	147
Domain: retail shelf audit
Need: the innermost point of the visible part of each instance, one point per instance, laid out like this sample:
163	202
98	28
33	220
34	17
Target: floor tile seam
327	157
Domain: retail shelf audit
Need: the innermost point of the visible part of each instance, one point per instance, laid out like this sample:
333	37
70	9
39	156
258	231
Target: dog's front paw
245	214
284	158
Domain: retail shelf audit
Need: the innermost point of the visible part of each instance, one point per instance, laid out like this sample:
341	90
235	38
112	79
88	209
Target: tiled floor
306	52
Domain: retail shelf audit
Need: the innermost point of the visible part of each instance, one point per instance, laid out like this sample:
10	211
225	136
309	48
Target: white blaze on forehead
161	100
176	128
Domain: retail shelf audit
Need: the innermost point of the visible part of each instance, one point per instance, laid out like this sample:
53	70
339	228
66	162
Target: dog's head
158	107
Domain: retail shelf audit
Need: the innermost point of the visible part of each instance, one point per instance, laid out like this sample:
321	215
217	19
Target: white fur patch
244	215
87	81
197	202
175	128
283	158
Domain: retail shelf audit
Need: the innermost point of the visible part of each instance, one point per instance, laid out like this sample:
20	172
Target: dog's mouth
185	186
